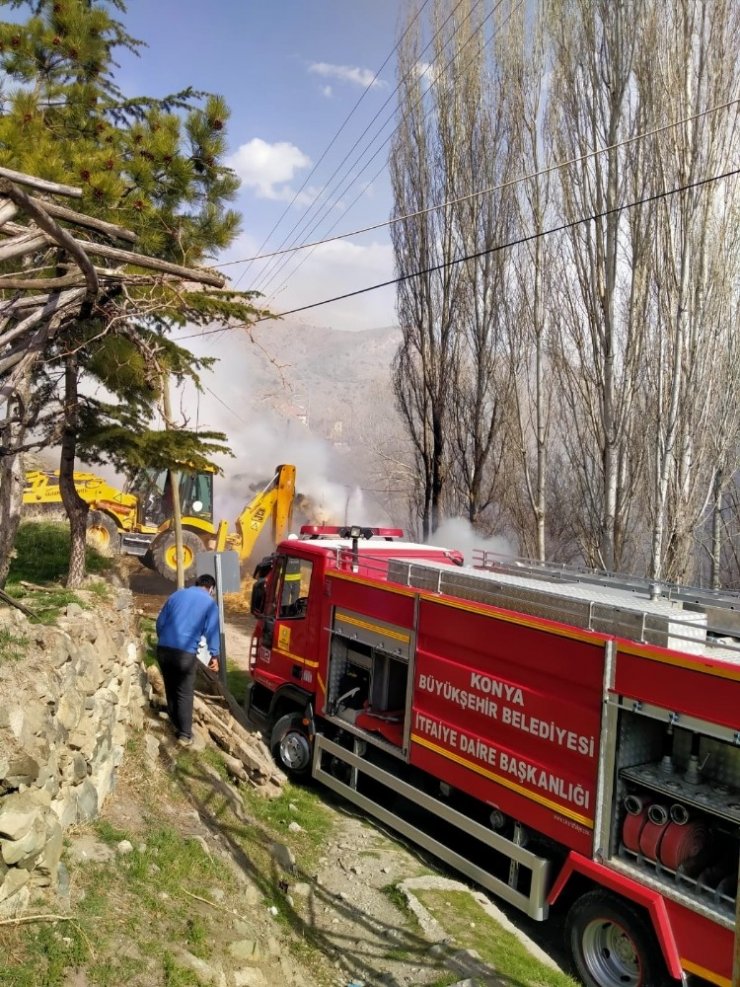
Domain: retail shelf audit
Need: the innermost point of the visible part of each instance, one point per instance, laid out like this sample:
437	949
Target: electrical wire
333	140
486	191
302	223
511	243
389	138
656	197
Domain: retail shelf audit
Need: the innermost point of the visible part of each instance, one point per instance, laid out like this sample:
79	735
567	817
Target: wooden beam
201	275
41	183
80	219
58	235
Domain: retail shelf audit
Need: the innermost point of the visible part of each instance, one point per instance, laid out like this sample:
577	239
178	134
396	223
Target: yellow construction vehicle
138	519
273	502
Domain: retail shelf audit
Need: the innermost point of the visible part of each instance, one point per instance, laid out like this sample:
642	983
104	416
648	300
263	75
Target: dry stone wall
69	694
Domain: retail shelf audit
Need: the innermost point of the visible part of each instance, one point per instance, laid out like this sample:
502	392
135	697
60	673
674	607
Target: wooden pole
174	487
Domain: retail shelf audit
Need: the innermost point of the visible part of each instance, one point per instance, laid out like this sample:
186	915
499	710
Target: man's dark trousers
178	671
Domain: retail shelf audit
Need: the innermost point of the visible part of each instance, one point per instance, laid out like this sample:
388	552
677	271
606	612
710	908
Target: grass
11	645
42	554
236	682
42	558
471	928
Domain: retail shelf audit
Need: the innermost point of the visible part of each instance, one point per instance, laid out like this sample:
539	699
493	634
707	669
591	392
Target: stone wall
69	693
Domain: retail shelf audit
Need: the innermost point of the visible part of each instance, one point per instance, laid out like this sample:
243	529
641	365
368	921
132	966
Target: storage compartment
677	811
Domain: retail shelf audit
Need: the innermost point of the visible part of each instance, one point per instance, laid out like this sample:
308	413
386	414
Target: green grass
42	554
471	928
236	682
42	559
51	949
309	812
11	645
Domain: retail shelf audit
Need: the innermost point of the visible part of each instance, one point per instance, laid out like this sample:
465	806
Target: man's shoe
185	741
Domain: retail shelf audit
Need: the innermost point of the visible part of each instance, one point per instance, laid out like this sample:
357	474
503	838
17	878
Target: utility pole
174	477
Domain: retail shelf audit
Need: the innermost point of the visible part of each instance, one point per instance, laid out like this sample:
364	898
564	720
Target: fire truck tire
612	944
291	747
164	554
103	533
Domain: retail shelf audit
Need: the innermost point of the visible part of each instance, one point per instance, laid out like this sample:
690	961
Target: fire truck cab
557	735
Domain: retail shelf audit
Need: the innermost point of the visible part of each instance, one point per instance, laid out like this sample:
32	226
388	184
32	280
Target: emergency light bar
355	532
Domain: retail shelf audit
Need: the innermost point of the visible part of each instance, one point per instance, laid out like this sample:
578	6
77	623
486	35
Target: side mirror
257	603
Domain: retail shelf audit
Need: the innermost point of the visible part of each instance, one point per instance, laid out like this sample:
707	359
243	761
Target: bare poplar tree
692	375
522	54
421	174
475	129
599	310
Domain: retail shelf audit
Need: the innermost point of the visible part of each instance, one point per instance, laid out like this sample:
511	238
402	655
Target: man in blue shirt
188	615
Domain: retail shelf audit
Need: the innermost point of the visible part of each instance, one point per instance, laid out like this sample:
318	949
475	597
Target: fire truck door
290	633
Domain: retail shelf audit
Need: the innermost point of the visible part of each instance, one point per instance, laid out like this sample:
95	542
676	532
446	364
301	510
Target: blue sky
291	71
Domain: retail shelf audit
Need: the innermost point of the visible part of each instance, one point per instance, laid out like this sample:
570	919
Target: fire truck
567	740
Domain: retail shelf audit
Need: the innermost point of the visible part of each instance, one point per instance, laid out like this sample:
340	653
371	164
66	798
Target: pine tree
152	166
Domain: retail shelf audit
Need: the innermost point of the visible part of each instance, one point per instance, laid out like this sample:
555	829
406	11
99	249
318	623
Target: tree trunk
74	505
12	431
175	488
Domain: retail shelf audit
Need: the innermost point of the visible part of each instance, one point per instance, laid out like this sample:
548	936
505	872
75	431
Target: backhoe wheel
164	553
613	944
103	533
291	747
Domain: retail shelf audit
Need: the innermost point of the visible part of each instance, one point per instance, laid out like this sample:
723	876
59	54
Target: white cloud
268	168
347	73
325	272
327	91
335	269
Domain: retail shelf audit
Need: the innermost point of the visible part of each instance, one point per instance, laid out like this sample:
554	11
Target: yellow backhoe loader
138	519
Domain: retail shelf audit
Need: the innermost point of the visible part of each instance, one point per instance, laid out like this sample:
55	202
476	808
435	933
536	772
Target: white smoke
457	532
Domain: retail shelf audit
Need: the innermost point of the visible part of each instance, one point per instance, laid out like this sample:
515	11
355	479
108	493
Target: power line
336	135
508	244
481	253
305	220
491	188
440	74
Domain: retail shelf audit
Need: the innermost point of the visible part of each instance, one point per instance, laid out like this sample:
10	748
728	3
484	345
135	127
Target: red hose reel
663	835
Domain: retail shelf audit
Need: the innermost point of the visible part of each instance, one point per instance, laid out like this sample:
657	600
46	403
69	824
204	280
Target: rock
87	801
70	710
295	827
204	972
17	813
48	862
246	950
13	881
22	770
283	856
124	847
249	977
88	848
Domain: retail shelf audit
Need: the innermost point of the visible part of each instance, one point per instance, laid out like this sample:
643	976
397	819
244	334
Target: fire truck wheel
102	533
164	553
612	945
291	747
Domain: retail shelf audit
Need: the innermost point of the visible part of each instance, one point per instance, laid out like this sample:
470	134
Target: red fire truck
558	736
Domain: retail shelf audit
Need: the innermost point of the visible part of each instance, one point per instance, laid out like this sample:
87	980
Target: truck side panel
667	682
698	938
511	714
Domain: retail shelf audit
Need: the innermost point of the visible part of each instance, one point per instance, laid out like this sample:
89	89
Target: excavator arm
274	502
